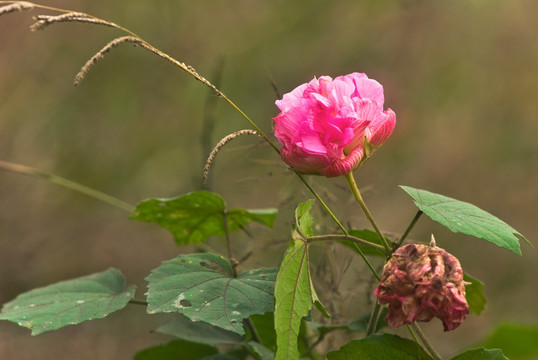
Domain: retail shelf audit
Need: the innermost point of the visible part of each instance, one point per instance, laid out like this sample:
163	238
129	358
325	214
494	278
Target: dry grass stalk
43	21
18	6
219	146
84	70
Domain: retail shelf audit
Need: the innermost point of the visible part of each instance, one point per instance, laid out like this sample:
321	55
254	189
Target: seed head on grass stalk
16	6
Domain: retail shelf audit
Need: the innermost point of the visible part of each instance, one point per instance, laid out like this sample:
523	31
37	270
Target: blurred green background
461	75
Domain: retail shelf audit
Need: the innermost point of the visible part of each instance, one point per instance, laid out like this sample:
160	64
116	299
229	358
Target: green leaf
265	328
380	347
474	293
293	298
516	340
193	217
259	351
176	349
481	354
294	295
199	332
69	302
203	288
466	218
219	357
367	235
303	219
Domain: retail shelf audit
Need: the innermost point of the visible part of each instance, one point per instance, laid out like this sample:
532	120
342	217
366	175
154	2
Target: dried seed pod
421	282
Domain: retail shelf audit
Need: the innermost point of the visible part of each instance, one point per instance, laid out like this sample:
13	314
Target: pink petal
381	131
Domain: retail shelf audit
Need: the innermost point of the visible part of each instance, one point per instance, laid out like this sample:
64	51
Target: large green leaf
380	347
466	218
69	302
293	298
474	293
177	349
199	332
481	354
294	293
193	217
203	288
517	341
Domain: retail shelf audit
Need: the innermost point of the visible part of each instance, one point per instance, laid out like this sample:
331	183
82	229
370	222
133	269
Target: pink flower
419	283
329	127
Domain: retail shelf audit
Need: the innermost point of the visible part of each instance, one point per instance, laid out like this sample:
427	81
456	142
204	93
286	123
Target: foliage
218	312
69	302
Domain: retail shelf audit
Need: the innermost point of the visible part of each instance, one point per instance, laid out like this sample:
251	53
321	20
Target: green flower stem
409	228
340	237
425	341
325	207
374	318
331	214
357	194
33	172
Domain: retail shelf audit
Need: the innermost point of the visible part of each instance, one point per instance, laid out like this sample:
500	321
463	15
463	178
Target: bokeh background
462	77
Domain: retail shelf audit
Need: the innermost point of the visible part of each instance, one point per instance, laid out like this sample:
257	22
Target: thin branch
426	342
219	146
33	172
362	204
341	237
409	228
231	257
374	318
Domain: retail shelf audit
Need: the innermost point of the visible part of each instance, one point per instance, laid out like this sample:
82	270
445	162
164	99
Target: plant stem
325	207
360	201
425	342
341	237
374	318
233	261
331	214
409	228
33	172
138	302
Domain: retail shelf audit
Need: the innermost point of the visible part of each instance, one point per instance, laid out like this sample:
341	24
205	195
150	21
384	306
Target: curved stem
30	171
360	201
409	228
337	237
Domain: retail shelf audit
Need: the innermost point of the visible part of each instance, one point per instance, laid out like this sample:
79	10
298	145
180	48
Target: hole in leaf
213	266
182	261
185	303
264	277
